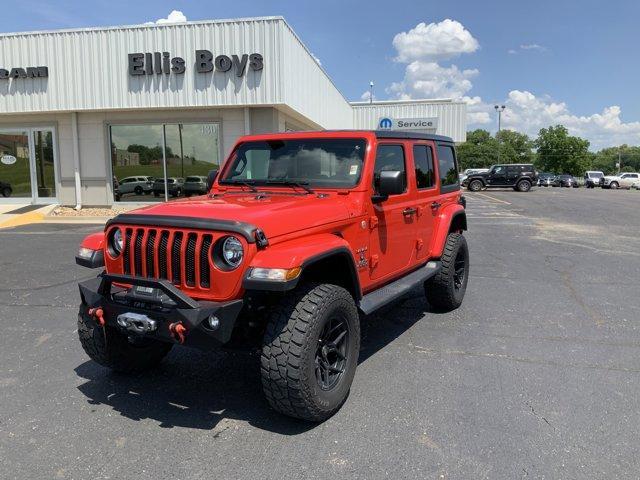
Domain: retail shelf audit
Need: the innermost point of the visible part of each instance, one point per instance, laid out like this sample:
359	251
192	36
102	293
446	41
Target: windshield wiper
290	183
240	182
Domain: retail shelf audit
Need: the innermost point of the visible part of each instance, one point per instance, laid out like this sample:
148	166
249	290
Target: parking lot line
493	198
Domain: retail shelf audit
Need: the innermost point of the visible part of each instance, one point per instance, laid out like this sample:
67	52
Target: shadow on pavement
195	389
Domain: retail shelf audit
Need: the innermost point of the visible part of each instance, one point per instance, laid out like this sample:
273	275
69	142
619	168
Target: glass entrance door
43	165
27	165
15	165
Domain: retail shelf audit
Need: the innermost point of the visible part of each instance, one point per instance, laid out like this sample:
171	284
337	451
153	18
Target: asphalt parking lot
535	376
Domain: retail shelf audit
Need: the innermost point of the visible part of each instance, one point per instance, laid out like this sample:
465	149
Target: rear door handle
436	205
409	211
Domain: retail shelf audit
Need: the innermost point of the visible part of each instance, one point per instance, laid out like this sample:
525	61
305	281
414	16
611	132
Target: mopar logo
385	123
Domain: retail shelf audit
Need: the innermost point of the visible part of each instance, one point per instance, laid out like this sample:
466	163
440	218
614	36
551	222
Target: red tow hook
178	331
98	314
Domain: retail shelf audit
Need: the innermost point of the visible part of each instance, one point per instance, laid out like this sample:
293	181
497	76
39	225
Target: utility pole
499	110
371	91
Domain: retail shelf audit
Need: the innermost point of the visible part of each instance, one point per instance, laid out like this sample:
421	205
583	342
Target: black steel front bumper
162	302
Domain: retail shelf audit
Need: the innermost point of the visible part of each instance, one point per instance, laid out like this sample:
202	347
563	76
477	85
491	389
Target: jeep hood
275	214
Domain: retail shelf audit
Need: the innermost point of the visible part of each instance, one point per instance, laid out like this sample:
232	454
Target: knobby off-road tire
475	185
118	353
297	348
445	290
523	186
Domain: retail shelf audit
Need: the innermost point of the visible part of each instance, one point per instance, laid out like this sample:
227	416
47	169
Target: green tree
559	152
515	147
479	151
607	158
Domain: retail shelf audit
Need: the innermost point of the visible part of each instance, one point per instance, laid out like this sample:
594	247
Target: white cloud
532	46
431	80
527	46
478	112
434	41
366	96
528	113
176	16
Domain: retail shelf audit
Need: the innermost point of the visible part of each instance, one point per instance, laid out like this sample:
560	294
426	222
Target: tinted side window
447	165
423	160
389	158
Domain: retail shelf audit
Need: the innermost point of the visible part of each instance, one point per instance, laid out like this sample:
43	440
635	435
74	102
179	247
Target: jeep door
427	201
513	174
392	241
497	176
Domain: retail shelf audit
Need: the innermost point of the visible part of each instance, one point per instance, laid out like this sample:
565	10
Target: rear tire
138	190
475	185
445	290
523	186
310	352
6	192
118	353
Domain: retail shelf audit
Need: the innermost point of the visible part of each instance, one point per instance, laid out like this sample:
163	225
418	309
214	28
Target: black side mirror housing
211	177
391	182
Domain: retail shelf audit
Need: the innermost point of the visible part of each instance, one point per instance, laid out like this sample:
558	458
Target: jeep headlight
232	252
116	242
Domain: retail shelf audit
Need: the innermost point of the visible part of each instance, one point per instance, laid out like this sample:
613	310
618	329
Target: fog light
214	322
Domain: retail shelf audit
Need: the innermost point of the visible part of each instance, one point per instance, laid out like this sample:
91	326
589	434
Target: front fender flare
301	252
453	214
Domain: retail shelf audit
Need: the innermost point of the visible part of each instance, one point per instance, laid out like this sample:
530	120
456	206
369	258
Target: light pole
371	91
499	109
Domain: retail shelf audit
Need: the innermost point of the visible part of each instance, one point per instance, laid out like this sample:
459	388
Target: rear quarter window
447	168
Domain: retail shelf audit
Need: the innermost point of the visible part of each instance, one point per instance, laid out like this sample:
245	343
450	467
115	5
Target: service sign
427	124
8	159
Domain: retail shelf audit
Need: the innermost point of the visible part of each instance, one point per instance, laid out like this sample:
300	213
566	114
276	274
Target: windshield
596	174
330	163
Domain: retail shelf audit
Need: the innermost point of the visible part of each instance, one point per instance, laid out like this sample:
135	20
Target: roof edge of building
143	25
405	102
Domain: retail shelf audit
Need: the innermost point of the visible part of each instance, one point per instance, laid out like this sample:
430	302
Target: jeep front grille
180	256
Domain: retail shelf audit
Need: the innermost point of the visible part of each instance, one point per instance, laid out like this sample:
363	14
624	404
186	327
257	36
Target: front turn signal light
275	274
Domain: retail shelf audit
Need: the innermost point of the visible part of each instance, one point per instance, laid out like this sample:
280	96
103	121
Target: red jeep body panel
383	240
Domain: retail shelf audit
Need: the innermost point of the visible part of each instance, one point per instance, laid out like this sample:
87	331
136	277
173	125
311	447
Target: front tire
117	353
475	185
613	185
445	290
310	352
6	192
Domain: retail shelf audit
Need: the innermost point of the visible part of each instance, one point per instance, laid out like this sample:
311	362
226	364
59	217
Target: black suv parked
518	176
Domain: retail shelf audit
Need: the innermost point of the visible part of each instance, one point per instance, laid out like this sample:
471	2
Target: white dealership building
82	110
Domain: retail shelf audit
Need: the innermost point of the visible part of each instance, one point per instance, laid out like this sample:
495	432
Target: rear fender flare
454	217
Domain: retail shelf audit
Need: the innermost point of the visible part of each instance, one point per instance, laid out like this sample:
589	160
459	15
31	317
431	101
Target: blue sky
549	62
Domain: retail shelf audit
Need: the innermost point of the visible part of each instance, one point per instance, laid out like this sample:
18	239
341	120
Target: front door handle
409	211
436	205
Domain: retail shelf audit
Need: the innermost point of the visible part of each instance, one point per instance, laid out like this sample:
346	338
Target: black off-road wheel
523	186
117	352
475	185
445	291
138	190
310	352
6	192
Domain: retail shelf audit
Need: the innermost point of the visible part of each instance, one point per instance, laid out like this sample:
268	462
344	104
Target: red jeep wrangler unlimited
298	235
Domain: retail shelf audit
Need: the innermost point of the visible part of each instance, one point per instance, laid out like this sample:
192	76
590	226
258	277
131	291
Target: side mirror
211	177
391	182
